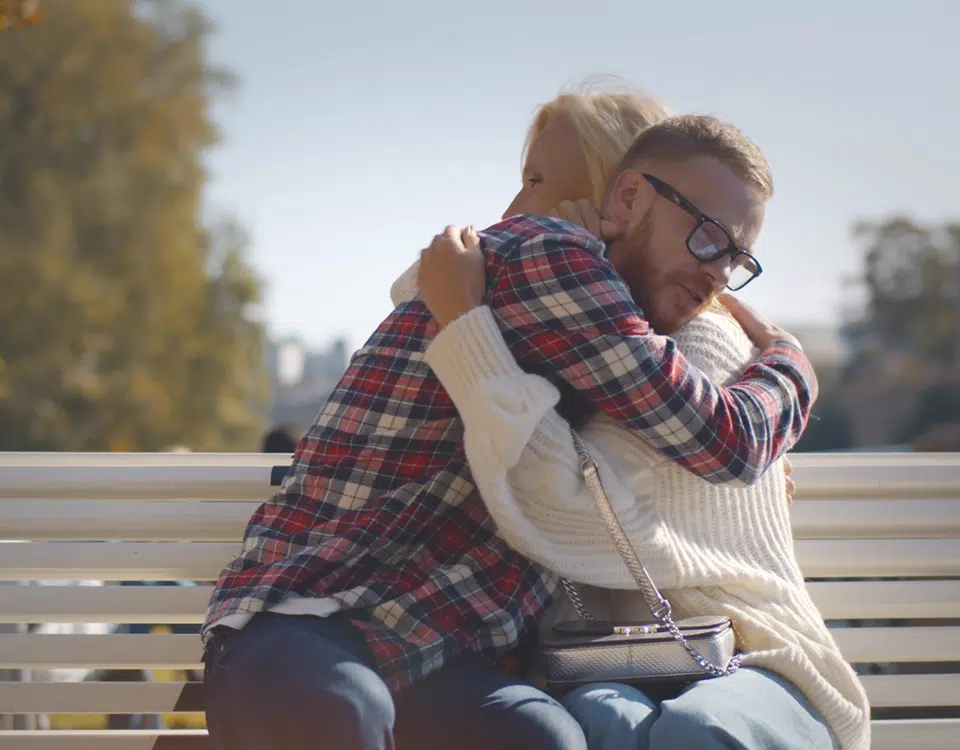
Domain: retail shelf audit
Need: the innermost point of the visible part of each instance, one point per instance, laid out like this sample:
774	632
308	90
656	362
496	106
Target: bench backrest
878	537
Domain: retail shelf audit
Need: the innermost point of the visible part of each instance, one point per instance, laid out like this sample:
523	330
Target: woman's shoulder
713	341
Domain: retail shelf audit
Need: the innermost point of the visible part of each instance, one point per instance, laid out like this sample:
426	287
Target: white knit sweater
712	550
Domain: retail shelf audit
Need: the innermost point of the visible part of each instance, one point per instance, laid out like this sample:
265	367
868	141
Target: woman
714	551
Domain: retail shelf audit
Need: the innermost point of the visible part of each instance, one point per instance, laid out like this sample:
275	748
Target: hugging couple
393	592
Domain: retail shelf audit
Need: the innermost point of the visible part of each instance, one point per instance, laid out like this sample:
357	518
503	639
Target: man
373	597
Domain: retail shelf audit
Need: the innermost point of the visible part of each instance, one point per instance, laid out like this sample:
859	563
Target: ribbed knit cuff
471	350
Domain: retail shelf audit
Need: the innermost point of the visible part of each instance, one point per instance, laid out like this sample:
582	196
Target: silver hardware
628	629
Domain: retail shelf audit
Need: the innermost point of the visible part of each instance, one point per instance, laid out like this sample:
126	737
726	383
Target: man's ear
626	198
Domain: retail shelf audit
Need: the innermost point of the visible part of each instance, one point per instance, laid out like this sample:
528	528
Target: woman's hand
584	214
452	276
791	485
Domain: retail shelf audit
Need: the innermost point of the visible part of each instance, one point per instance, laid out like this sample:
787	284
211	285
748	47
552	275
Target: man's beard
635	267
634	252
642	278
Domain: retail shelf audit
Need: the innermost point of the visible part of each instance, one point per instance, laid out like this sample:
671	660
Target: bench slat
139	476
916	734
115	561
176	605
875	519
122	739
919	734
884	691
159	651
101	697
114	651
912	690
864	600
874	475
911	644
52	520
246	476
159	521
878	558
170	561
133	605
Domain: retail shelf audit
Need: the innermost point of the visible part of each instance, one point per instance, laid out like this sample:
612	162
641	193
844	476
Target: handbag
661	651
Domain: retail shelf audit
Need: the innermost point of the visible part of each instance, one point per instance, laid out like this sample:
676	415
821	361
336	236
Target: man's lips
697	298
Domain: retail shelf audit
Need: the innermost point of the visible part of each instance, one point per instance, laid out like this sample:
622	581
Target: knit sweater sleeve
523	460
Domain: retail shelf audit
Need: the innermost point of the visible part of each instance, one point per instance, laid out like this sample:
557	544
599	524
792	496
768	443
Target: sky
360	129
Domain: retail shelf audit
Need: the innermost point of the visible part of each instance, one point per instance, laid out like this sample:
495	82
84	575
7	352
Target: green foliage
126	323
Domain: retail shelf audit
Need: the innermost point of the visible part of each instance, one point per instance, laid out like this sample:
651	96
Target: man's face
555	171
668	283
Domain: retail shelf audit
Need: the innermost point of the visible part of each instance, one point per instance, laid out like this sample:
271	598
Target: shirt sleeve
562	308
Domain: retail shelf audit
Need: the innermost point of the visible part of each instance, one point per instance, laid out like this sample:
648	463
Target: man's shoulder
531	233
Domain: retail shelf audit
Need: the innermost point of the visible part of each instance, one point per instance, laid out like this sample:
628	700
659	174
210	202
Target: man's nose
719	271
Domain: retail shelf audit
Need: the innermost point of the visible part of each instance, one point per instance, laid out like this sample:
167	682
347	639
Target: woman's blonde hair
606	123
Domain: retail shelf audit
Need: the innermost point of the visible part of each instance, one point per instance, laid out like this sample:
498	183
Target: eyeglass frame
670	193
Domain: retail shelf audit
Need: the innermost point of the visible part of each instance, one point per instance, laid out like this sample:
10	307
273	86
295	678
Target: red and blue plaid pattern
379	512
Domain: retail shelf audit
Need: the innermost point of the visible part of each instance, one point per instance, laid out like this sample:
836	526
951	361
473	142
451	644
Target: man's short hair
682	137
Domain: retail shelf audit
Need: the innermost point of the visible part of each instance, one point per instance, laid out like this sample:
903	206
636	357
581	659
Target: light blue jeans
752	709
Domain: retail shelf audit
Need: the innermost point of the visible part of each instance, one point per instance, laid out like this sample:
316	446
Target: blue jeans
752	709
299	682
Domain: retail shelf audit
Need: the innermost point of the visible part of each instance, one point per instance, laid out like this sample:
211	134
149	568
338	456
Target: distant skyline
359	130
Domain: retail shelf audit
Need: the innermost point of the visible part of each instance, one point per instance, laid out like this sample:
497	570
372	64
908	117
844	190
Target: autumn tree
126	322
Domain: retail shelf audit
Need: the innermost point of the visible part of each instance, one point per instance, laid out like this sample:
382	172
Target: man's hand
452	275
760	330
584	214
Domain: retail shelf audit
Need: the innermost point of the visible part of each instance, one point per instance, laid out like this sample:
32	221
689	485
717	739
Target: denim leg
752	709
613	716
297	683
471	706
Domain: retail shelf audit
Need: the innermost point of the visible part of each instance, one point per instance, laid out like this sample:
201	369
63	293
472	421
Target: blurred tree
127	324
19	13
905	333
829	428
911	284
937	404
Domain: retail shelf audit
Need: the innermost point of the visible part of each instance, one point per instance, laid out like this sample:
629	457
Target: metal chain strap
574	596
656	602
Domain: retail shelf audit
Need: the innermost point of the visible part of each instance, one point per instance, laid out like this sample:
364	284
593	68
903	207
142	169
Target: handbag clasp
630	629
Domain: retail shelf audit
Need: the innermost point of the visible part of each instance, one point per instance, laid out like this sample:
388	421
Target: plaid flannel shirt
379	513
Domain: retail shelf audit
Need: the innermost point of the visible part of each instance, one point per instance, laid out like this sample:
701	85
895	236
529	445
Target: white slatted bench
179	517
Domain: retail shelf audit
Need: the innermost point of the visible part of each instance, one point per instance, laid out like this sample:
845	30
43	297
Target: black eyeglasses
709	240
